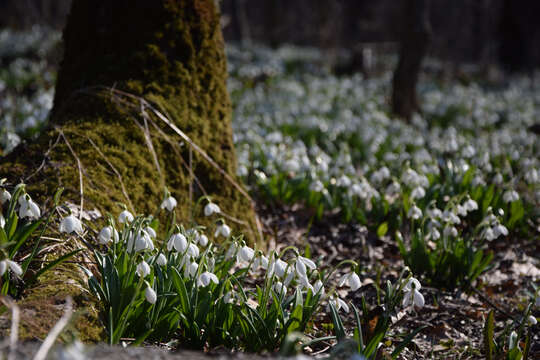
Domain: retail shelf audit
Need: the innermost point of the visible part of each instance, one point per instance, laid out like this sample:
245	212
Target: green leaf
382	229
55	263
22	235
406	342
339	330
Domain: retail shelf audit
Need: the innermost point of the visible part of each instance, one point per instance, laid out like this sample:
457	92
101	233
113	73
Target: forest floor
454	320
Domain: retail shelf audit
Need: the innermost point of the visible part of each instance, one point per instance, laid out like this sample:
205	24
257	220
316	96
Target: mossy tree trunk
171	53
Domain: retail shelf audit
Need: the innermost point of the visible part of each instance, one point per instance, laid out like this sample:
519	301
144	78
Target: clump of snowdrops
176	283
22	226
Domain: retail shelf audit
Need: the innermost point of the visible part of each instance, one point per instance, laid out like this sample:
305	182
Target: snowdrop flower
150	231
344	181
169	204
301	264
150	295
28	208
143	269
470	205
418	193
510	196
107	234
125	217
450	231
205	278
4	196
12	265
71	224
435	213
191	270
316	186
231	251
202	240
139	242
193	250
352	280
414	213
500	229
412	296
245	254
178	242
223	230
211	208
2	220
450	217
279	288
434	234
229	297
318	287
339	303
488	234
461	210
260	261
532	320
161	260
498	179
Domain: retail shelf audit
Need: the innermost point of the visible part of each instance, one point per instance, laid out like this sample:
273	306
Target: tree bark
106	148
413	48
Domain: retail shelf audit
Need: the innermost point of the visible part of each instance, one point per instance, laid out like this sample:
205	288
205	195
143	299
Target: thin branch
79	166
491	303
55	331
15	320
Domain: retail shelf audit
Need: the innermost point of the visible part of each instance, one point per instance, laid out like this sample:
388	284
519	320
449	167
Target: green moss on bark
170	52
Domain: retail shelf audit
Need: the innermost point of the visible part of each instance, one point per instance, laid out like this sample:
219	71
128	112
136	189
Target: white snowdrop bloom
450	231
191	269
231	251
12	265
532	176
178	242
301	264
393	189
143	269
434	234
169	204
316	186
510	196
137	242
305	284
414	213
28	208
229	297
352	280
450	217
107	234
344	181
150	231
461	210
500	229
260	261
318	287
469	151
488	234
150	295
193	250
498	179
2	220
339	304
418	193
70	224
470	205
161	260
205	278
202	240
125	217
478	180
435	213
211	208
532	320
223	230
245	254
413	297
4	196
279	288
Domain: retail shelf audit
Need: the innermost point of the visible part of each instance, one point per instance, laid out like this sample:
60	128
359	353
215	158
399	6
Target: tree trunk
413	48
169	52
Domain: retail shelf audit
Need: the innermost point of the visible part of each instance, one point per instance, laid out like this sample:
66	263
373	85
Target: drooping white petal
169	203
143	269
150	295
125	217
